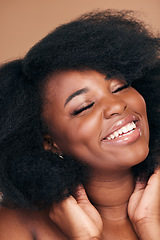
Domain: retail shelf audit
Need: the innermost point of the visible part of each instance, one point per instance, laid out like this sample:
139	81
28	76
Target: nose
114	107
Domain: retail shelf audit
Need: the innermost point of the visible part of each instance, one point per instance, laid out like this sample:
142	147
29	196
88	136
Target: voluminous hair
111	42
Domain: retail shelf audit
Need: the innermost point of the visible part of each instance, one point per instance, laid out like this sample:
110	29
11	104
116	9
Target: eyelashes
122	87
76	112
83	108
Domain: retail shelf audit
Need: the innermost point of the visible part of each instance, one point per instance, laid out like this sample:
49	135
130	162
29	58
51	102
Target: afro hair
110	42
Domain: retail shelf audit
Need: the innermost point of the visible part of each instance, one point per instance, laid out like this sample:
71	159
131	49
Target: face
97	121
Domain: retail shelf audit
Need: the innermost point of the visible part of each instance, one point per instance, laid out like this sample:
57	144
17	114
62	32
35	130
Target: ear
50	145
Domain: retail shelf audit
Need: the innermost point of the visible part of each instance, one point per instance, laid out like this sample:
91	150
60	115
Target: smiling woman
91	110
76	152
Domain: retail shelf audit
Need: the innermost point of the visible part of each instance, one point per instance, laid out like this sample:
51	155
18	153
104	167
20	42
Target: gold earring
60	155
1	196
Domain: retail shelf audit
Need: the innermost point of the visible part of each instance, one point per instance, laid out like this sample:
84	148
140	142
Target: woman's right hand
77	217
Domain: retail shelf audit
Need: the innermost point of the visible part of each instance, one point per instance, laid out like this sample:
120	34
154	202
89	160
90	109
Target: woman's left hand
144	208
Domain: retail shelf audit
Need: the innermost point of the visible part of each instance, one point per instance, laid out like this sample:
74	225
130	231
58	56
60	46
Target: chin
137	156
131	155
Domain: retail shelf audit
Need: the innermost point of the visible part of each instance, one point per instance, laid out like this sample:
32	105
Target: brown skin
27	225
112	183
80	135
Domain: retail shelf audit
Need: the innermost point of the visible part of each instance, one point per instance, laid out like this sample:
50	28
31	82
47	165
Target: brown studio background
24	22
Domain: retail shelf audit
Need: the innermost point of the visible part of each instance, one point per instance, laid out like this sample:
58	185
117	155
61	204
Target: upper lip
120	123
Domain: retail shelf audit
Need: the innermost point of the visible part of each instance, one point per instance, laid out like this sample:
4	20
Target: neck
110	194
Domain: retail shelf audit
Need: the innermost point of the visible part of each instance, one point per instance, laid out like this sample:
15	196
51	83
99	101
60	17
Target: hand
144	208
77	217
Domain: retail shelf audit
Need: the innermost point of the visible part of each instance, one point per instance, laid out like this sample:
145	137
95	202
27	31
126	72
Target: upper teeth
125	129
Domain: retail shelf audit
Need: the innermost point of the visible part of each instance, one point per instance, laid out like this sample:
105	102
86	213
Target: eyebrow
78	92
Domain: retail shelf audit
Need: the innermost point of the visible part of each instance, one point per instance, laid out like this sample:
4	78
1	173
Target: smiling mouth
122	131
126	133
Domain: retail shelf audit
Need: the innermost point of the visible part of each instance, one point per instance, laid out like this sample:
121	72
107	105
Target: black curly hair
111	42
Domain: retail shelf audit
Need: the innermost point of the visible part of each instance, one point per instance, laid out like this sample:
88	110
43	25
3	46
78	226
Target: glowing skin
107	107
104	123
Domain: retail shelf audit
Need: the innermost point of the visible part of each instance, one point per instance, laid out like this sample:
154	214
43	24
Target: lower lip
126	138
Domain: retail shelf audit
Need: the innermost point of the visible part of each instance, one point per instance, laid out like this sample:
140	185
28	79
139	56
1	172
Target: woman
75	158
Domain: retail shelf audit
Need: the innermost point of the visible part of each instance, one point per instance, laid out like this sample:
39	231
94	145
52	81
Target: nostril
114	108
113	114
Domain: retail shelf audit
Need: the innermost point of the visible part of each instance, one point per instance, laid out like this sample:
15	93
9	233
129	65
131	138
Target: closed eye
121	88
81	109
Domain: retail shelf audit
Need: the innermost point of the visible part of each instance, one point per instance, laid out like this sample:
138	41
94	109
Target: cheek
136	100
137	103
80	134
77	138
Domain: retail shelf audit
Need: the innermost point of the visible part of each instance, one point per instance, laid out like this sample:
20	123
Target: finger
155	178
63	205
153	187
71	219
154	182
139	186
68	208
151	196
135	198
80	195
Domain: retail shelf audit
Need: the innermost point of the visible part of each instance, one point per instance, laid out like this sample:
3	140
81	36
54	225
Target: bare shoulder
17	224
13	225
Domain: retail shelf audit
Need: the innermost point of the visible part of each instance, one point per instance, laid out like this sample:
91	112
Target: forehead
66	82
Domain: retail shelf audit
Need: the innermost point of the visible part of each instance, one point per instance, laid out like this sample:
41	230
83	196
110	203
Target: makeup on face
124	131
100	121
